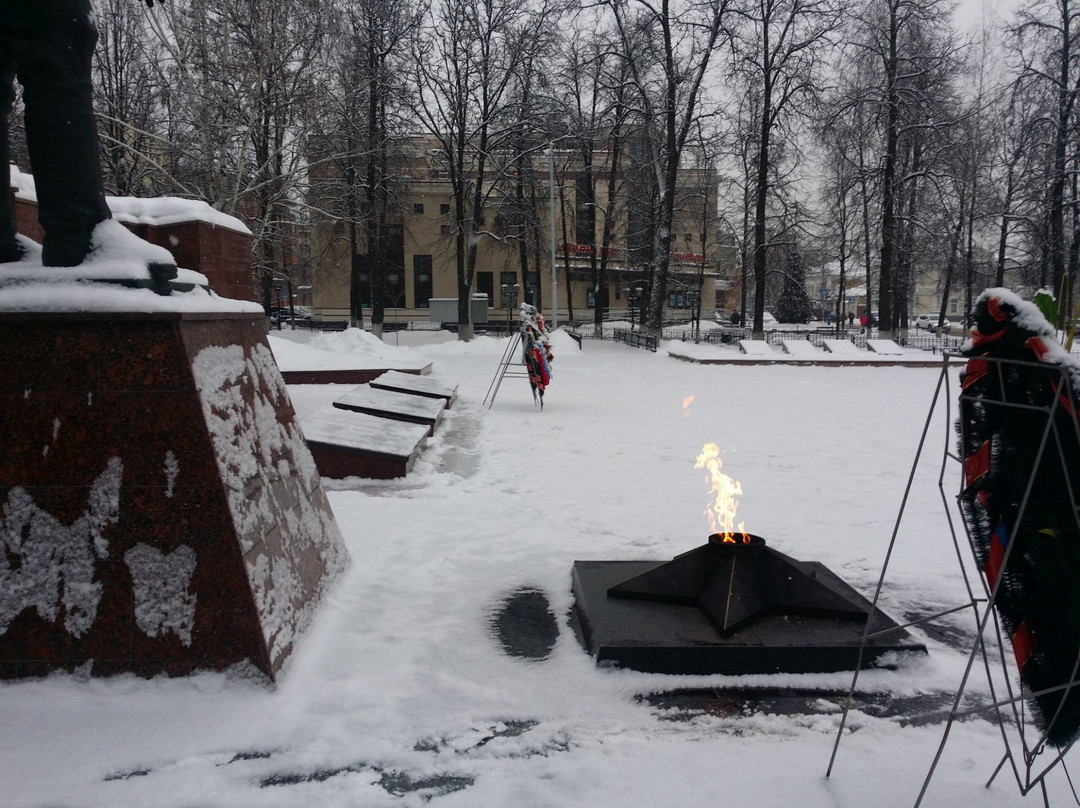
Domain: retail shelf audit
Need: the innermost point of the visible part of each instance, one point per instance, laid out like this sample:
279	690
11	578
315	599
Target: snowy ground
402	694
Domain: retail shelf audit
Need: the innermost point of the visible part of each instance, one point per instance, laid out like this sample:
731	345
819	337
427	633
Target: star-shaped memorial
731	608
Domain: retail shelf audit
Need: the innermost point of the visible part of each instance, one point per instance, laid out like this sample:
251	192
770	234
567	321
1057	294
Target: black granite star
734	584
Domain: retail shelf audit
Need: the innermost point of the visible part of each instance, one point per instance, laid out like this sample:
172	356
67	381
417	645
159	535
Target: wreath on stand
536	351
1020	443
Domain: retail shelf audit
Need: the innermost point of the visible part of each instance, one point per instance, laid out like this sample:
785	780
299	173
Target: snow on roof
87	296
163	210
96	284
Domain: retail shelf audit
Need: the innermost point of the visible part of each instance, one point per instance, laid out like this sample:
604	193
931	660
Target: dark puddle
525	625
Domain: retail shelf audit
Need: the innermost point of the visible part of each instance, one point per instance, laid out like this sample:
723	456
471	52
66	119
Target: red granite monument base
161	512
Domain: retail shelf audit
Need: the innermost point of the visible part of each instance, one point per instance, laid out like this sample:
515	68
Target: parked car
929	322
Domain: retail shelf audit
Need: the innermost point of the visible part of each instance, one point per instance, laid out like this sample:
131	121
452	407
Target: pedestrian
851	318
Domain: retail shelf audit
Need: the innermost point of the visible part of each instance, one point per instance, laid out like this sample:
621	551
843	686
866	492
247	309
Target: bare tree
840	139
126	102
780	47
595	80
377	34
467	54
1046	39
905	50
669	49
239	73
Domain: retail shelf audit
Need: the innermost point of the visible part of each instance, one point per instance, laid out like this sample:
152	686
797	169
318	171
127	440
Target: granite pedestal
161	512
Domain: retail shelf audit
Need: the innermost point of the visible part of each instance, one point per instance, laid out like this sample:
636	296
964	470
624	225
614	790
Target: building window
688	238
485	284
444	209
421	280
418	207
445	230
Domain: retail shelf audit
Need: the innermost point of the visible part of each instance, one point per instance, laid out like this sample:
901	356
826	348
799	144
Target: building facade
517	243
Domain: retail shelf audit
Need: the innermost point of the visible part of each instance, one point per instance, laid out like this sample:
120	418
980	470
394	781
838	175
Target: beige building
421	259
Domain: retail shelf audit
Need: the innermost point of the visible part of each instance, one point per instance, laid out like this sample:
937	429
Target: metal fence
681	330
636	339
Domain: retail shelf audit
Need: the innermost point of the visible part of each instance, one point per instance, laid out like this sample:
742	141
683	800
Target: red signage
614	252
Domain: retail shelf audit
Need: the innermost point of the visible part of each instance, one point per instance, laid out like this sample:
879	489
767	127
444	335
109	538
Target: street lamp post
551	204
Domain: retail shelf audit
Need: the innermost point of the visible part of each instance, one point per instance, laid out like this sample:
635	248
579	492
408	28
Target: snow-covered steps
394	405
355	444
417	385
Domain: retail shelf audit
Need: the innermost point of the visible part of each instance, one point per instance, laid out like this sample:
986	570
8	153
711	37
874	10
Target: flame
721	511
686	402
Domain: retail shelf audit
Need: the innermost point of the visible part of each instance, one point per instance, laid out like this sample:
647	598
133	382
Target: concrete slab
753	347
341	375
353	444
801	347
394	405
417	385
886	347
843	347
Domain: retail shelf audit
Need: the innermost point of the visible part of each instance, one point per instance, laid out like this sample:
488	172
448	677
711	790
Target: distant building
514	249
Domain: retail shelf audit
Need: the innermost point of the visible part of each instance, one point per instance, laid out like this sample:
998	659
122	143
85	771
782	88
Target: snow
166	210
842	347
836	352
801	348
157	211
51	564
84	296
755	347
400	693
885	347
358	430
161	582
272	487
352	349
116	256
370	398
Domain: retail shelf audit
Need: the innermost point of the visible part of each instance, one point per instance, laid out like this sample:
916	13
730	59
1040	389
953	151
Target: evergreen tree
794	304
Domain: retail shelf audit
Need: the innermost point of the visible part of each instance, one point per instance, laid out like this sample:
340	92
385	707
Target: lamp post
633	295
551	205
